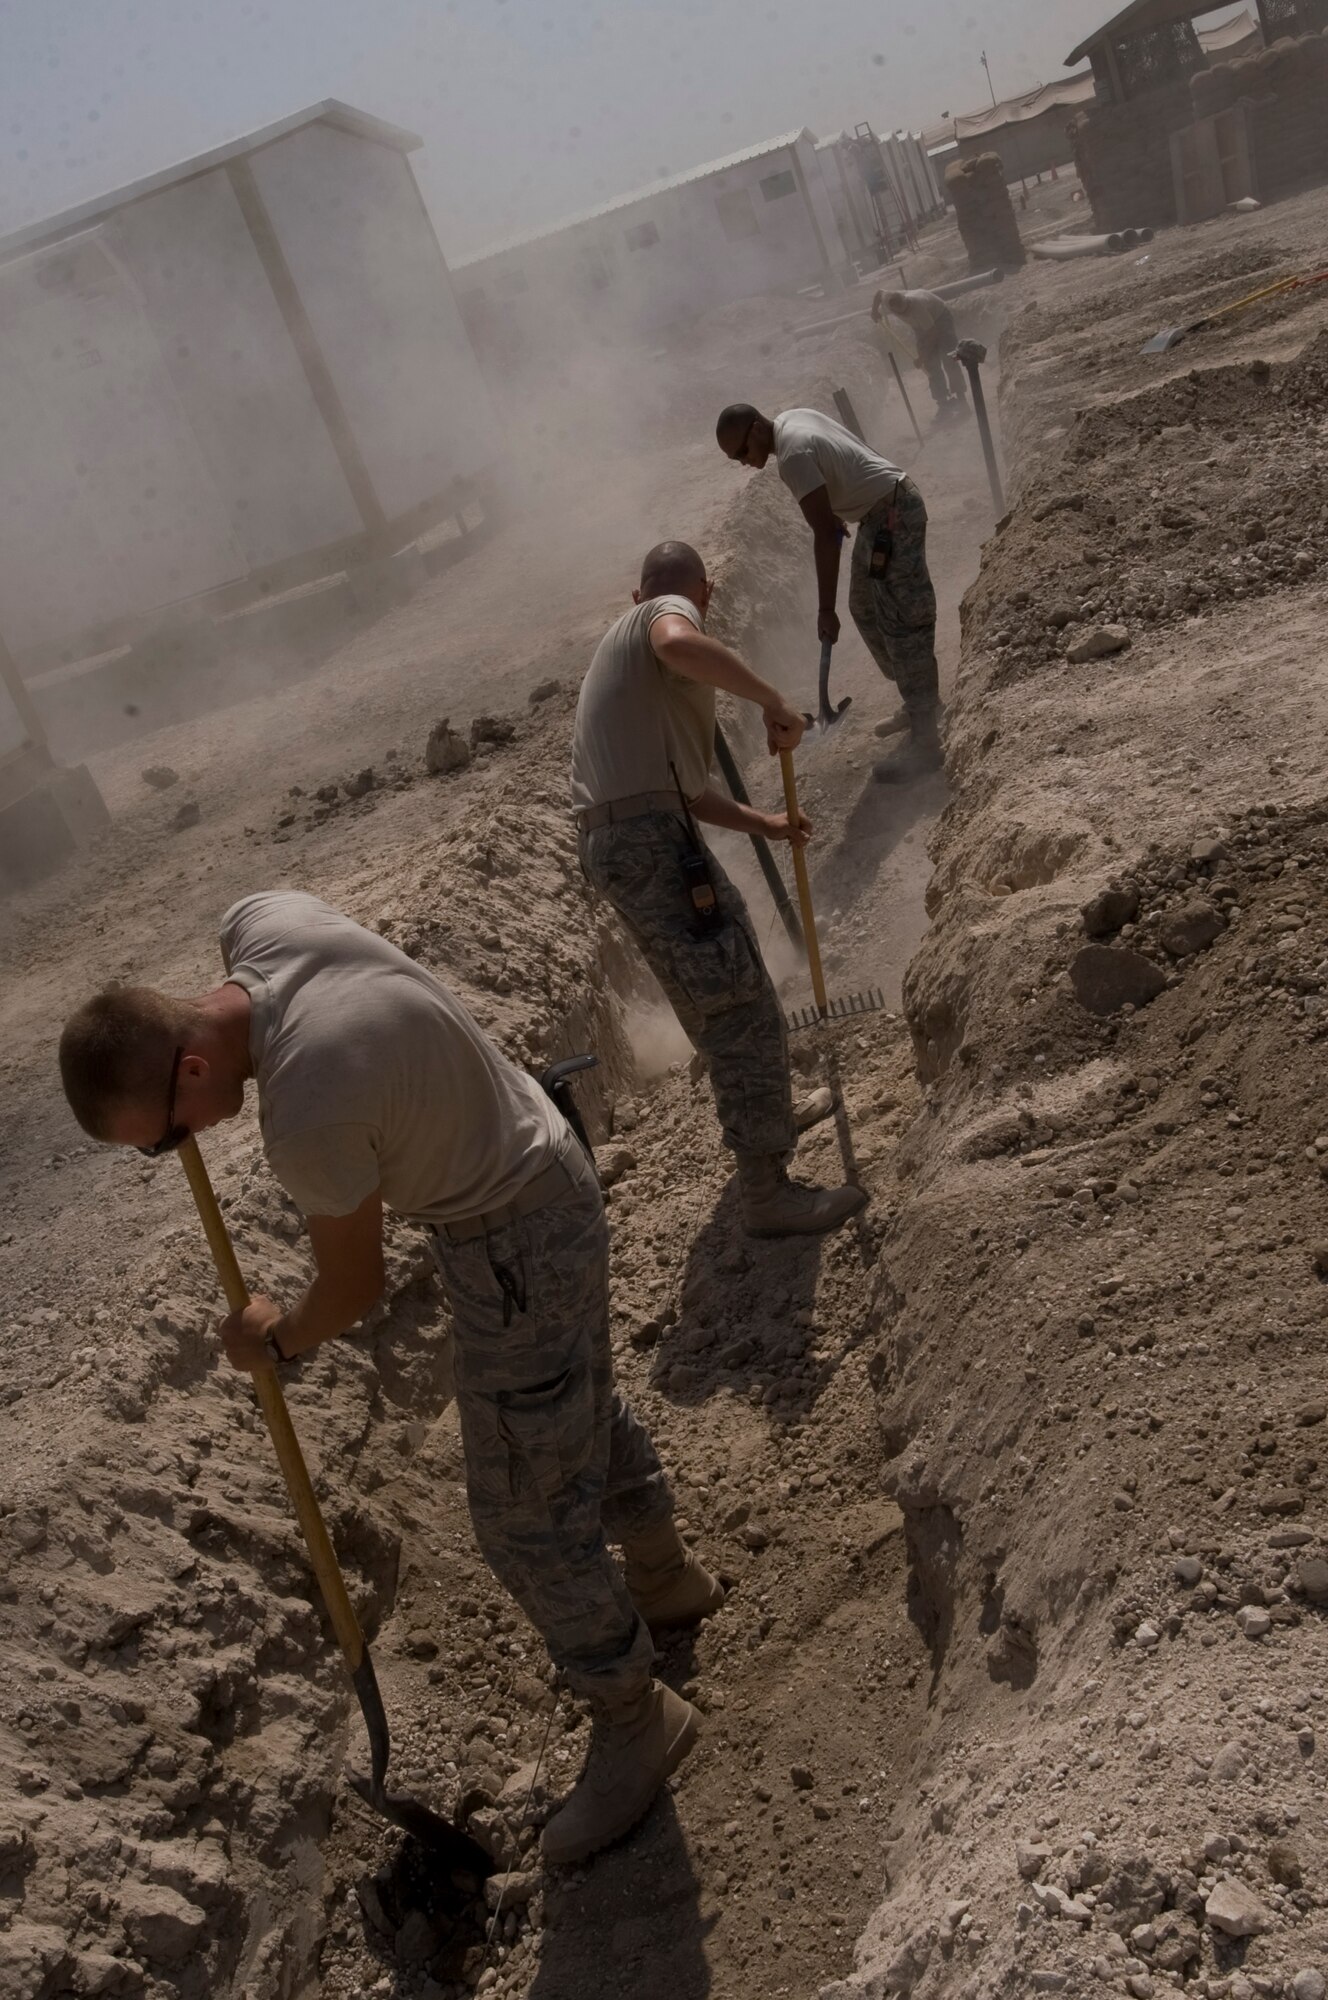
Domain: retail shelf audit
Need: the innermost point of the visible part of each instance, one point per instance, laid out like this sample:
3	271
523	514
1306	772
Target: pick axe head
832	714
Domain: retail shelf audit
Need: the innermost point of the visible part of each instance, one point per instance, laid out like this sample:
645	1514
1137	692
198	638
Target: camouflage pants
717	985
945	375
556	1463
896	613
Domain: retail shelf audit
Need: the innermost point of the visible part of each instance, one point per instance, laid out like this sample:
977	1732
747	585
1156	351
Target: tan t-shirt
371	1075
812	450
635	716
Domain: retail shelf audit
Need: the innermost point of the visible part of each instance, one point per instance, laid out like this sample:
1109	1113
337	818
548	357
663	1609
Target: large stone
1191	928
1235	1910
1109	909
1107	977
1137	1890
446	750
162	1926
1099	644
33	1959
1312	1576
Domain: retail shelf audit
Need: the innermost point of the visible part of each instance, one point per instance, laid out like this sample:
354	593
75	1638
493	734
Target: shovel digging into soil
452	1850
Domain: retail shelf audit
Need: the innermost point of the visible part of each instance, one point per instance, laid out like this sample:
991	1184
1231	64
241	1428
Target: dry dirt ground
1016	1486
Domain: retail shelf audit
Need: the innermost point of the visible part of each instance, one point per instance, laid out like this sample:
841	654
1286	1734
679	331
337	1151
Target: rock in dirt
543	691
1106	977
1284	1864
1031	1857
512	1891
491	729
446	750
1192	928
1320	1260
1254	1621
1109	909
1308	1984
161	777
1099	644
1137	1890
361	782
1312	1576
189	814
1235	1910
612	1162
160	1923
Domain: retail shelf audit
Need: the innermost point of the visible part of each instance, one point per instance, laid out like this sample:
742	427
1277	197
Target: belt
589	817
571	1169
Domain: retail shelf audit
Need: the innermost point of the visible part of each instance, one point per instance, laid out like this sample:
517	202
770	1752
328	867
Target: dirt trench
1100	1378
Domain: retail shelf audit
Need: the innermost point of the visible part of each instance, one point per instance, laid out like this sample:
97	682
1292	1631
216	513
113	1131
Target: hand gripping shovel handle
804	885
456	1849
295	1472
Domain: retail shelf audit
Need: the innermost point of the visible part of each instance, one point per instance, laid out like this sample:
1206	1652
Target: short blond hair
117	1049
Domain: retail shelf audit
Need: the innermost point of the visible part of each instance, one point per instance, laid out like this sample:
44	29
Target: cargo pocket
549	1431
718	972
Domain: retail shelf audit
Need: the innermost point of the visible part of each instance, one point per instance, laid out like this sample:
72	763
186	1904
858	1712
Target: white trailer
244	371
758	221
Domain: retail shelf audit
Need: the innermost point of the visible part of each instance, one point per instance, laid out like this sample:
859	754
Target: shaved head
735	422
672	569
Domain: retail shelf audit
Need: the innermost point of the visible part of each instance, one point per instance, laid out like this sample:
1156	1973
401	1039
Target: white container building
759	221
236	374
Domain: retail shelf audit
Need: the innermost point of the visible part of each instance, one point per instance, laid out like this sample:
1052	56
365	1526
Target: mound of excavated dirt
1100	1379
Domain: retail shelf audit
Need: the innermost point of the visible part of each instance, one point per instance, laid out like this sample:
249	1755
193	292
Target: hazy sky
529	109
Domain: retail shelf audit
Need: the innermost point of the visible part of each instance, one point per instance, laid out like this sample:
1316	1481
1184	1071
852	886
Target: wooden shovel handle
294	1470
804	885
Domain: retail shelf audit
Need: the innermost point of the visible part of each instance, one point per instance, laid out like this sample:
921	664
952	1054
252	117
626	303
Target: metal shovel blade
1162	343
829	715
457	1852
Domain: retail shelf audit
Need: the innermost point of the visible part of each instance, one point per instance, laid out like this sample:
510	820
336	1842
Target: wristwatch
273	1352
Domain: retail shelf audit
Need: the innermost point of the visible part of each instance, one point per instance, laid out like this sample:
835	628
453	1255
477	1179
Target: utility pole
990	85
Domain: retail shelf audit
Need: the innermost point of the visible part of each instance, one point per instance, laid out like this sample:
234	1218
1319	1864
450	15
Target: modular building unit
759	221
243	371
883	189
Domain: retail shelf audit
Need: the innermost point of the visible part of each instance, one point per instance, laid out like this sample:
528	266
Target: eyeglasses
175	1135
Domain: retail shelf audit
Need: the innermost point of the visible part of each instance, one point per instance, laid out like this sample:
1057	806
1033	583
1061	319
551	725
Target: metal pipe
972	354
773	879
907	405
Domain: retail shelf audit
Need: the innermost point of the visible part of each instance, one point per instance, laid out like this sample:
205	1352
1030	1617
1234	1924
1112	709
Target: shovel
455	1850
829	717
870	1002
1171	336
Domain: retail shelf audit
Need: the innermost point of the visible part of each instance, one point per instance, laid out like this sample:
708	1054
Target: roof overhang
331	111
1138	19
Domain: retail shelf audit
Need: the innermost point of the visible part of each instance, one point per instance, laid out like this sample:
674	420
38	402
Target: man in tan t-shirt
641	755
376	1089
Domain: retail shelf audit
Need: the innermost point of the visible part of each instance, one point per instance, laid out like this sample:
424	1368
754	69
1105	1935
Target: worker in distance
642	749
376	1090
836	479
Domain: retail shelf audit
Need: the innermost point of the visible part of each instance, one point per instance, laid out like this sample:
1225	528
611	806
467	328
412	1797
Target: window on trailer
736	215
775	186
643	236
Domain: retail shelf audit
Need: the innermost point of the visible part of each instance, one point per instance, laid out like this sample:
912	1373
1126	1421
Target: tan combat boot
773	1205
636	1743
669	1586
920	751
812	1109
